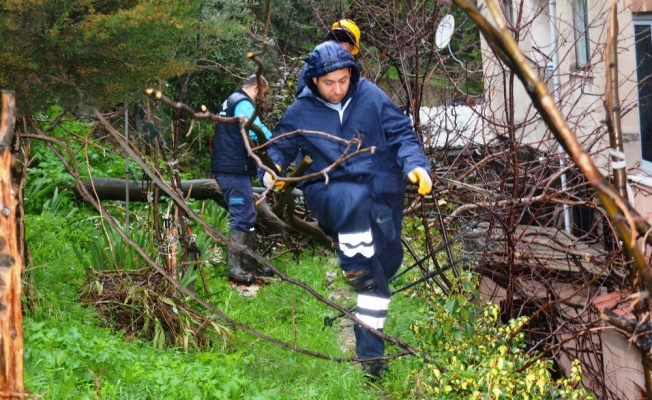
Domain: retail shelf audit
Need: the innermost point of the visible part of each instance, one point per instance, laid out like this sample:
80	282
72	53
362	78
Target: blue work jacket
229	151
367	113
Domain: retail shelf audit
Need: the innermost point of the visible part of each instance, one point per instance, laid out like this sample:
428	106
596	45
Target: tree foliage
94	53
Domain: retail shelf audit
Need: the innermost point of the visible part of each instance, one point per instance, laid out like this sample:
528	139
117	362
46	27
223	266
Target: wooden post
11	265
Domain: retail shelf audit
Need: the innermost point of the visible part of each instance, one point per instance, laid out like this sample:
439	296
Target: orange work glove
268	181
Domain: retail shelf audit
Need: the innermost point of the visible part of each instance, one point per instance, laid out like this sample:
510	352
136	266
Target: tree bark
11	263
200	189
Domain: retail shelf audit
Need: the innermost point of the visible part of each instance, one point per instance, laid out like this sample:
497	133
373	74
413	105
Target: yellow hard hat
350	26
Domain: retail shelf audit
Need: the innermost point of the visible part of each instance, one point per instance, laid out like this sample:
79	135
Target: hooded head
326	58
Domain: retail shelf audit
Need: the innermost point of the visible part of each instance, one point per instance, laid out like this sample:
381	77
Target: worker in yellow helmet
347	34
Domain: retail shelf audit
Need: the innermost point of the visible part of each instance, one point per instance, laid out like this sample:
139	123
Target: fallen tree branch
198	189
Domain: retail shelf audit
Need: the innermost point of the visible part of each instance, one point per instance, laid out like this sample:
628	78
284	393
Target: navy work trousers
239	199
367	228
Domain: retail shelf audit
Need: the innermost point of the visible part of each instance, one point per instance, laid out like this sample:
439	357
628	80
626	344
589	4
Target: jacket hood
328	57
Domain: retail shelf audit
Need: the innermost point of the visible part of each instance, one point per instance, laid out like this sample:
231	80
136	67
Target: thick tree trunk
200	189
11	263
114	189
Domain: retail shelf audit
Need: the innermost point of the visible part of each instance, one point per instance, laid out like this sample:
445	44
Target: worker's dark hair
253	81
341	36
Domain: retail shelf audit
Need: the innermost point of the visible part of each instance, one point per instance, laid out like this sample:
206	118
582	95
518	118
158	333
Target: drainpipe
554	70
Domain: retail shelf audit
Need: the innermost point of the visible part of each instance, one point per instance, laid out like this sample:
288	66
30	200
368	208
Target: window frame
508	9
581	34
641	20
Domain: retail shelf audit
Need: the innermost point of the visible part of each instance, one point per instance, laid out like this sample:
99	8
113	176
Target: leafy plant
44	197
481	359
216	216
107	250
45	177
70	359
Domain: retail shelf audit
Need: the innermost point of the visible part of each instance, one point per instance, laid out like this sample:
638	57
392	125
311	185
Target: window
581	25
508	10
643	49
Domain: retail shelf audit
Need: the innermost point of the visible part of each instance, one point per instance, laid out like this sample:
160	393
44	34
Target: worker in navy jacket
233	170
361	205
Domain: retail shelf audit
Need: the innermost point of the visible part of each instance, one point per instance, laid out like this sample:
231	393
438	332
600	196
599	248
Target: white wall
581	92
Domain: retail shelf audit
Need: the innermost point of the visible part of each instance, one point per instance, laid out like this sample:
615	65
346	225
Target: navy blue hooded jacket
229	152
367	112
301	81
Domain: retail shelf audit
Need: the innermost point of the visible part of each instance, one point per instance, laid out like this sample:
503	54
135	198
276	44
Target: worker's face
333	86
265	89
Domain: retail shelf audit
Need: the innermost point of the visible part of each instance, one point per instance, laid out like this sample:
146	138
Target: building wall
623	369
581	92
639	5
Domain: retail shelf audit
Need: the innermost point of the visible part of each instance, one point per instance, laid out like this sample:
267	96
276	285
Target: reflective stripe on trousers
372	310
357	242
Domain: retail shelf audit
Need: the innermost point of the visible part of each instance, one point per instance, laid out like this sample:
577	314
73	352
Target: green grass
288	313
73	358
69	355
67	349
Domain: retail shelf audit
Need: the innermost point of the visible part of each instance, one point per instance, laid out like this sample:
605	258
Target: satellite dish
444	31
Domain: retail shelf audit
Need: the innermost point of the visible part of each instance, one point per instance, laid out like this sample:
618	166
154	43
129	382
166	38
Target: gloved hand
268	180
421	175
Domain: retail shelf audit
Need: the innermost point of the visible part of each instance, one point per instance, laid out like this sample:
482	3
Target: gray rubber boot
249	263
234	258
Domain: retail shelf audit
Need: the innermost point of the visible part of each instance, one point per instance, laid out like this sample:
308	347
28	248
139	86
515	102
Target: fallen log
199	189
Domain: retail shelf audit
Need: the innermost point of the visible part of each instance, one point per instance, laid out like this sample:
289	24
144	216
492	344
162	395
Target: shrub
478	356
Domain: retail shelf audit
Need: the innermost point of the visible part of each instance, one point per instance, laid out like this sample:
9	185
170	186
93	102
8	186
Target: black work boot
374	369
234	259
249	263
361	280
